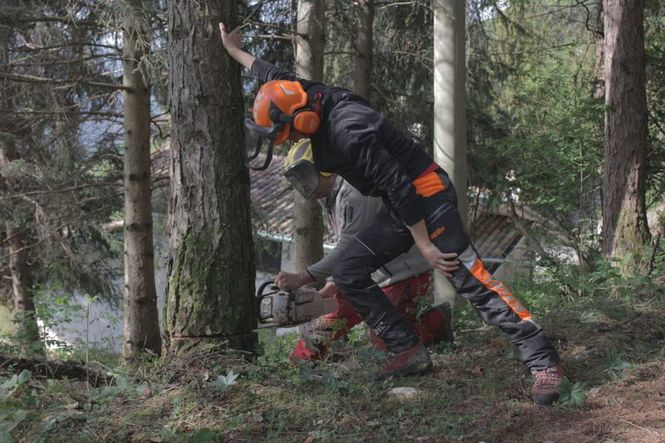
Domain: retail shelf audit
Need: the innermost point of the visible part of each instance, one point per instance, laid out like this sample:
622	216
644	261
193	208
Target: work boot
413	361
545	389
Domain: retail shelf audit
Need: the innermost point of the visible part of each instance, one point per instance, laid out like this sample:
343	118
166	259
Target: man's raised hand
232	41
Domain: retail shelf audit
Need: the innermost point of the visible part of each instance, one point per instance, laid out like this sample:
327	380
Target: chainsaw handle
264	285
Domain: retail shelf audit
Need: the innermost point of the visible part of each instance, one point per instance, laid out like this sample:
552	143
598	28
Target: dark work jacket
359	144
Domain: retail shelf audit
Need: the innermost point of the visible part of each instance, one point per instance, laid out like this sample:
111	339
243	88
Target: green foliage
617	367
534	125
205	435
14	397
573	395
223	382
273	351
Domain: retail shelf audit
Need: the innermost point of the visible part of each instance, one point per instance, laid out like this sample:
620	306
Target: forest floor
613	351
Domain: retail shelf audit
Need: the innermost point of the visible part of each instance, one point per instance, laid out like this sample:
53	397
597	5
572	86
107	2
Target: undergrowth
478	391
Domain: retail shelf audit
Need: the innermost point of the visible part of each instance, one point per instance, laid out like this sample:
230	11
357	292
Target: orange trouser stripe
478	271
428	184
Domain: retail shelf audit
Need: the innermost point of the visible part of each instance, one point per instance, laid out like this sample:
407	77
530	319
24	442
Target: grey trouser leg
384	239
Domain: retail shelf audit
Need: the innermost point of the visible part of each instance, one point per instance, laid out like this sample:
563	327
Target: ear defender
306	121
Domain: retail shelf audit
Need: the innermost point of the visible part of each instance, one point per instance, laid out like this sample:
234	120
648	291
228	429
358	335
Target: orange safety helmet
281	104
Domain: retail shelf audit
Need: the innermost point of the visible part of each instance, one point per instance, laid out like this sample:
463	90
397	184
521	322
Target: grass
612	350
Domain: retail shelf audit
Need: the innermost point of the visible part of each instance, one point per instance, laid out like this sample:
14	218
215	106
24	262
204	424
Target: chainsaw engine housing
277	307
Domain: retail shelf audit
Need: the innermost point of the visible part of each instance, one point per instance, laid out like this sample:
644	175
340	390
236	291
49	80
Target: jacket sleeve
356	133
355	211
265	72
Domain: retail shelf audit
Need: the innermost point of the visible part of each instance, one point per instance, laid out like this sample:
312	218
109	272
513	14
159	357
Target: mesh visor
256	137
255	134
304	177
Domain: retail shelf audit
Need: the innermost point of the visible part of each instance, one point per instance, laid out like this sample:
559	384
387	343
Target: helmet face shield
304	177
300	170
255	136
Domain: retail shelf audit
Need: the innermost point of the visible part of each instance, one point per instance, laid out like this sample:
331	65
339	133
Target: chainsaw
289	308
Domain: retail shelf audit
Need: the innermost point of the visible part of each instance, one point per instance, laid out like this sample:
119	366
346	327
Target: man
353	140
405	280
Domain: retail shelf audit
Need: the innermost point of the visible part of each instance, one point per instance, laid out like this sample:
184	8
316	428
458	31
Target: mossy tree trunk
625	230
310	41
211	266
141	321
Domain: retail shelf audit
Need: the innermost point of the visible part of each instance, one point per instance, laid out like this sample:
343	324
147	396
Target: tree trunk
308	229
17	243
599	36
449	106
211	266
449	111
362	74
21	274
625	230
141	321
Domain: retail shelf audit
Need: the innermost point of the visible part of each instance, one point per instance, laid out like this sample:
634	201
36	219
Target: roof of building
272	198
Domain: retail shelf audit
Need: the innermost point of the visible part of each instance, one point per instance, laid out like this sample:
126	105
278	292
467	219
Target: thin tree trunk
449	93
21	274
625	230
18	260
362	74
141	321
599	36
449	112
211	266
310	41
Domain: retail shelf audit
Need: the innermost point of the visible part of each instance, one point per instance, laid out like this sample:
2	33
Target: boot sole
545	401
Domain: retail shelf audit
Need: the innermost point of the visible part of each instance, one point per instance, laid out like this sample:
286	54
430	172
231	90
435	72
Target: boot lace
548	378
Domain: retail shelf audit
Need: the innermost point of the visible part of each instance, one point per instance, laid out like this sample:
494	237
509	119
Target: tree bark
362	74
625	231
18	260
449	111
141	321
22	277
449	95
211	266
310	41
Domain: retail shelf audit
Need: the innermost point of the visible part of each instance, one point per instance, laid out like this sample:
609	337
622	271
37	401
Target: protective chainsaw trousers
387	237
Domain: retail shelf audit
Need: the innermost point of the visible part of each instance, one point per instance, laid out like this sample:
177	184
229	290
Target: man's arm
445	262
232	41
353	212
261	69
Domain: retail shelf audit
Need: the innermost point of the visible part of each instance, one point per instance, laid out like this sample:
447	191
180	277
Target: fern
616	365
573	395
